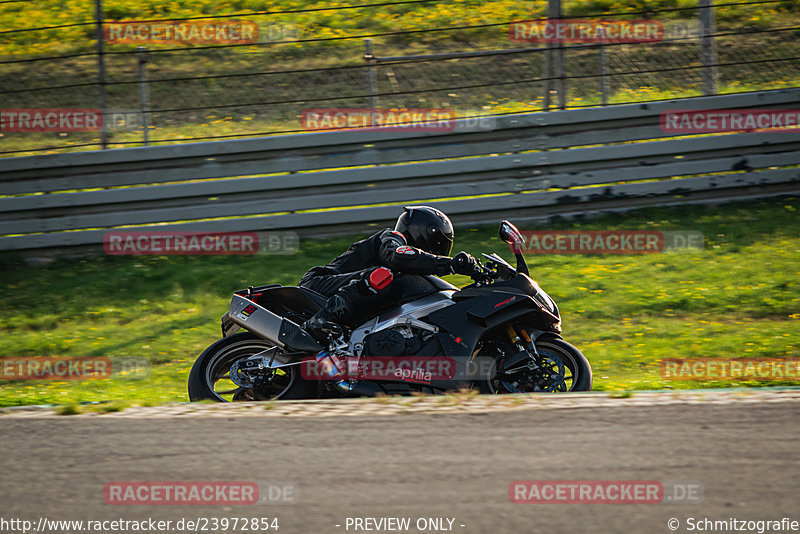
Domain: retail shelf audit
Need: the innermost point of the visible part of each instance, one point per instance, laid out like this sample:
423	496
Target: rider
362	276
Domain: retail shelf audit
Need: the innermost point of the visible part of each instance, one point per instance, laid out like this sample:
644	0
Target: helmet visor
439	243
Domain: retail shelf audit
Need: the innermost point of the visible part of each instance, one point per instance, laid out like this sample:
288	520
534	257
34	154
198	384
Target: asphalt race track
416	465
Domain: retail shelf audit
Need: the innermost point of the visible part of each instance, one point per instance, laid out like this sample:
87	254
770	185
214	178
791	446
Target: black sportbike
500	334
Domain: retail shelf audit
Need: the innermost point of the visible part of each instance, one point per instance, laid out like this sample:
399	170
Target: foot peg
321	329
331	329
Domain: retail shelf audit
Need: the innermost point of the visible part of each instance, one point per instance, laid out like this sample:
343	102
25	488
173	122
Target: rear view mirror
510	234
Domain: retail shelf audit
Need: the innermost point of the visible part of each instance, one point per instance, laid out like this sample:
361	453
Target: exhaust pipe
262	322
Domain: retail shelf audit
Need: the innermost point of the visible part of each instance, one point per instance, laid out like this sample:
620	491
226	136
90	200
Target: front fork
521	339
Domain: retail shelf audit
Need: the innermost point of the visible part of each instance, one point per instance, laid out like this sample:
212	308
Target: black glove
463	263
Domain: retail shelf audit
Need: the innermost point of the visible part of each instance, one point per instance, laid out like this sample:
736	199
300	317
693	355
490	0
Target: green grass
738	297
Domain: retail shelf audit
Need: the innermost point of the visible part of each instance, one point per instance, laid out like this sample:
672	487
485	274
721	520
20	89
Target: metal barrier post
708	47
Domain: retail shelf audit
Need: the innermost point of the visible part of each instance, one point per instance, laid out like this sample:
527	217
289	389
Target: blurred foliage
321	20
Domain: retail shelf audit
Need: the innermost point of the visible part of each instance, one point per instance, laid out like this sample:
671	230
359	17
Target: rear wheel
210	378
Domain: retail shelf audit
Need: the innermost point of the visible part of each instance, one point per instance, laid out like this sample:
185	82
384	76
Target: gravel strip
458	403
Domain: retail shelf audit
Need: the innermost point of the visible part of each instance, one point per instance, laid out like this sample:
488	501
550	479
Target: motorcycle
499	334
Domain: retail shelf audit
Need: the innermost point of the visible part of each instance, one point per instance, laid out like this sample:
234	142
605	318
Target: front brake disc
550	374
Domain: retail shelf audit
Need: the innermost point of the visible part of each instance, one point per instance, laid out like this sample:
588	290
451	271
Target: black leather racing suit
386	248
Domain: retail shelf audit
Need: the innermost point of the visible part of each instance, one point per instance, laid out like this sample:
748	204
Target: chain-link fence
256	74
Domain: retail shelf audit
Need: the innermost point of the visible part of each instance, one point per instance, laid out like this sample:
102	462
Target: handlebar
485	274
495	268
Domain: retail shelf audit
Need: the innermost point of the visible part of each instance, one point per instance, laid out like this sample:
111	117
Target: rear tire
208	379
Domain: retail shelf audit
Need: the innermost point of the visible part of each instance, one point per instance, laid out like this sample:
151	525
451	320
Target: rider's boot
342	305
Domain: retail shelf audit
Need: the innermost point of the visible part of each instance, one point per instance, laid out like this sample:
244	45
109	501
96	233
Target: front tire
574	361
209	378
562	368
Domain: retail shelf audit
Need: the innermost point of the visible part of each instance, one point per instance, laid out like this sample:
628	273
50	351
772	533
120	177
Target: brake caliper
245	372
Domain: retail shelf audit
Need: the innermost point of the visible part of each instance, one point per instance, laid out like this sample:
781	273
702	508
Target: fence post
603	77
371	82
557	54
708	47
144	97
548	82
101	71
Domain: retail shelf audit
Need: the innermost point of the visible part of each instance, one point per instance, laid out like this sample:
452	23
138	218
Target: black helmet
426	228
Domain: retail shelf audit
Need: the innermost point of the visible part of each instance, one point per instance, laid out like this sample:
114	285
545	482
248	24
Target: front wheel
210	378
560	368
577	370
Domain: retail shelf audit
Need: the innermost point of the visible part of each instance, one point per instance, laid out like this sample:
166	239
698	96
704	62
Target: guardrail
560	161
